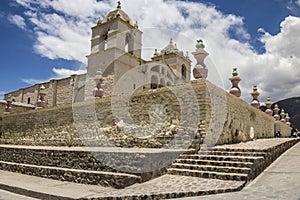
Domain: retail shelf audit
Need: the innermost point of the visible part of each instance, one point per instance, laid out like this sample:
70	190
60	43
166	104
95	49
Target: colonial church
115	59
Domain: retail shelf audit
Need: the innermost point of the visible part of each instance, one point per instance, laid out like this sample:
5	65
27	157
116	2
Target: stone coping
100	149
260	144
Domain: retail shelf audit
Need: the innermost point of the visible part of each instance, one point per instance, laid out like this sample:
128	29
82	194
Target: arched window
129	41
154	82
162	83
105	45
183	72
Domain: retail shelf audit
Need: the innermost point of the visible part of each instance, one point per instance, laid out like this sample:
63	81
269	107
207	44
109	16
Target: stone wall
61	91
283	128
235	119
16	108
192	114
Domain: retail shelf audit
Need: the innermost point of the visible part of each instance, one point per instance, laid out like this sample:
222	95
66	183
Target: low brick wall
161	116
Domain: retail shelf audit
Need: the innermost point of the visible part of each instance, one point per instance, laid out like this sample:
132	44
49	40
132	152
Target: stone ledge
107	179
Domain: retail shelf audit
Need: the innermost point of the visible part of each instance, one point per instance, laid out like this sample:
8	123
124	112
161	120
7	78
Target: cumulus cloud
32	81
63	30
17	20
58	74
2	95
63	73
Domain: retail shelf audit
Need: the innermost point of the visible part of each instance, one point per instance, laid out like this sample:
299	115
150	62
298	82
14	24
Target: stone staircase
86	166
227	163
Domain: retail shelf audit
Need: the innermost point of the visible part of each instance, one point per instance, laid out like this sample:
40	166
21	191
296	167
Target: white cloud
65	31
58	74
17	20
298	2
2	95
63	73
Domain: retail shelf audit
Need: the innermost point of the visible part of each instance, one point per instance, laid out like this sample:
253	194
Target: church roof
118	13
170	48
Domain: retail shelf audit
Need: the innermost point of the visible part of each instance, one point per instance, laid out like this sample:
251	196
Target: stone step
222	158
215	163
232	153
211	168
107	179
207	174
234	150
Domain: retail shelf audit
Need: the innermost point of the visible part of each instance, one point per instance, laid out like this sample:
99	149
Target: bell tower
114	38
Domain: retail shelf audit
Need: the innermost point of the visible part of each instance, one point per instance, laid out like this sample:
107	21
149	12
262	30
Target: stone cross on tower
200	70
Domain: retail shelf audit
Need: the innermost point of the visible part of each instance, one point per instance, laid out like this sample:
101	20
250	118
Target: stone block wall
193	114
16	108
283	128
60	92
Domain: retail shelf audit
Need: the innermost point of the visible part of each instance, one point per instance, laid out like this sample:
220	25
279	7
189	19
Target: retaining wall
193	114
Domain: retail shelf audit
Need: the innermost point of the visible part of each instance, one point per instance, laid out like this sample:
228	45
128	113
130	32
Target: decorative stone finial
255	102
187	54
269	111
200	44
287	119
99	21
234	72
155	52
8	103
200	70
136	25
235	79
42	88
171	40
276	111
98	91
119	5
282	115
41	103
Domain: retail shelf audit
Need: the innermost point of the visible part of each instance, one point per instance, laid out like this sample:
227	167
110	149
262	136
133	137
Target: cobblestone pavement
166	184
171	184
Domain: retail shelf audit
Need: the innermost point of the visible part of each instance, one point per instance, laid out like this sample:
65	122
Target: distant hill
291	106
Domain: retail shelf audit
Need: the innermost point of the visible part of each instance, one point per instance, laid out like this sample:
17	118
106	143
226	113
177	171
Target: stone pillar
235	79
276	111
98	91
200	70
269	111
41	103
8	107
282	115
287	119
255	102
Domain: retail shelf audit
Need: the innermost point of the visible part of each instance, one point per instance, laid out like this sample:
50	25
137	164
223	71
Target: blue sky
42	40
